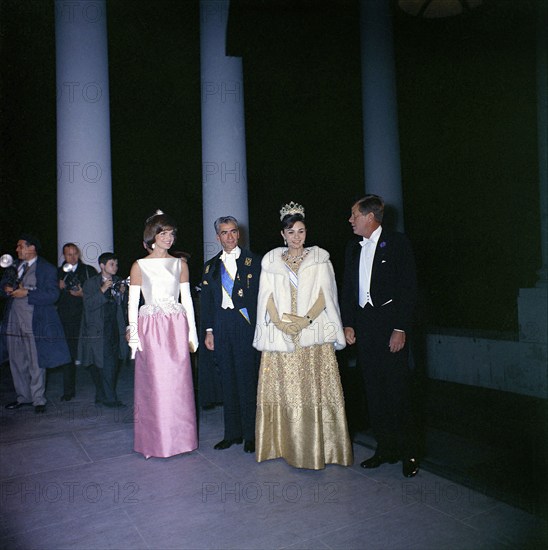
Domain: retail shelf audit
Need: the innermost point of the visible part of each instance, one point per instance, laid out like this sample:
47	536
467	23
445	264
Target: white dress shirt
22	265
229	259
366	265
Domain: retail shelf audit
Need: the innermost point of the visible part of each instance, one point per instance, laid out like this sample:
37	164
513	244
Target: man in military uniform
230	285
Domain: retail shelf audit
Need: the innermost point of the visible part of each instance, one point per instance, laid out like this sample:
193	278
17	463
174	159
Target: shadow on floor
493	442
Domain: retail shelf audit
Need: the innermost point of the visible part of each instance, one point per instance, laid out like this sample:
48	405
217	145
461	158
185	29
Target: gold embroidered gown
300	406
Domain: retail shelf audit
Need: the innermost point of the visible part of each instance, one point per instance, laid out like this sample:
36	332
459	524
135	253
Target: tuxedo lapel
240	264
216	267
243	266
379	254
376	257
356	251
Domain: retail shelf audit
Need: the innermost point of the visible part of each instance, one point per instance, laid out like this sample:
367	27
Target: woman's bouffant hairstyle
291	219
157	223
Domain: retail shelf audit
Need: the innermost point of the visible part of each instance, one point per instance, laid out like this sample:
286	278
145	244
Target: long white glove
133	313
186	300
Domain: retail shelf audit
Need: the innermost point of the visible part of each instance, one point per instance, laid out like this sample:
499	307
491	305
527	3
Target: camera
10	277
71	279
117	284
115	289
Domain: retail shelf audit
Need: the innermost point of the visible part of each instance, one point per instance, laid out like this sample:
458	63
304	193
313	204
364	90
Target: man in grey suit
31	331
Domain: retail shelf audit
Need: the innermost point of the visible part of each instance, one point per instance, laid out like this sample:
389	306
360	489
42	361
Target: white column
224	170
84	201
381	146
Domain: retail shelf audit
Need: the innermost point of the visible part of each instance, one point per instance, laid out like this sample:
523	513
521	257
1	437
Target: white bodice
161	279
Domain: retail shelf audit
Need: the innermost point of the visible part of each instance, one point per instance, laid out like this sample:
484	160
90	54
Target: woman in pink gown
161	335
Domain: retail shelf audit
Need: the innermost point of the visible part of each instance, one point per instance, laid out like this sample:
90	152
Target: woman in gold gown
300	403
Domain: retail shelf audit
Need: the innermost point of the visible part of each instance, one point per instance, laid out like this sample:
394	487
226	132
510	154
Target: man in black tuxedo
230	284
378	301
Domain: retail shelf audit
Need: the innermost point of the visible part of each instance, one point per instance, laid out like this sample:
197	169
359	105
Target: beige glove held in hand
299	323
290	328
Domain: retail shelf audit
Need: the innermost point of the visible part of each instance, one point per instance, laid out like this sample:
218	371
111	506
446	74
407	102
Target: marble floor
69	479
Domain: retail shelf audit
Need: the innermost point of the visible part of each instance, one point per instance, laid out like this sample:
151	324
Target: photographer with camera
31	331
103	338
70	306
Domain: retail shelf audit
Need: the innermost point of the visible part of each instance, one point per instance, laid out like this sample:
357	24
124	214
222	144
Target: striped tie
23	268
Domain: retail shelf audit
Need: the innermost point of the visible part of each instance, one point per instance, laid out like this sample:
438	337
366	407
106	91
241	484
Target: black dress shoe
14	405
40	409
376	460
410	467
226	443
249	446
67	397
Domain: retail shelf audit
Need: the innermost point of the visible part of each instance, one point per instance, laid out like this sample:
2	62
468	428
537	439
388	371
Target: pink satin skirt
164	413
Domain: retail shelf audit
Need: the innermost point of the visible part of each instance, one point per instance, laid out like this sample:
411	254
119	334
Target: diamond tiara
157	213
291	208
